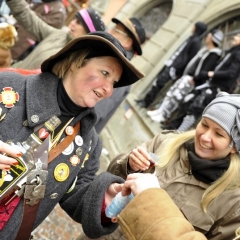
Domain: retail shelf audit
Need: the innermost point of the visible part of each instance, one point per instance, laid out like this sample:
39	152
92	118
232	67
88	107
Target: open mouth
98	94
204	146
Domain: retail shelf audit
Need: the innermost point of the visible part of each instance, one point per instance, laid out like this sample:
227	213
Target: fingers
139	159
138	182
7	160
112	191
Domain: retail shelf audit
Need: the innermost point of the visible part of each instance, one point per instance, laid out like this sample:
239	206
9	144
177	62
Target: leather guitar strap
30	212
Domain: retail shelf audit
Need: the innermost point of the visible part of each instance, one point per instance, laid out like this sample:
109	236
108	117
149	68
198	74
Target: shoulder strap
30	212
64	144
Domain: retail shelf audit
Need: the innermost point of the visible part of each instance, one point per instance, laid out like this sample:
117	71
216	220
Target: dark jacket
227	71
205	60
190	50
38	97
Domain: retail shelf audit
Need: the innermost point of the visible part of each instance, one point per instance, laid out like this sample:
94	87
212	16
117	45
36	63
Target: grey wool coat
38	97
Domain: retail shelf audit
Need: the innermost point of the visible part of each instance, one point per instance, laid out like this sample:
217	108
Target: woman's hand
7	161
138	182
139	159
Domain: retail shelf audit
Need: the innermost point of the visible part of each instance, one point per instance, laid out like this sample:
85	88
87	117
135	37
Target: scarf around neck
68	108
206	170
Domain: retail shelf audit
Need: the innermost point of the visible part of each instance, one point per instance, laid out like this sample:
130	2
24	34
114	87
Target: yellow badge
61	172
9	97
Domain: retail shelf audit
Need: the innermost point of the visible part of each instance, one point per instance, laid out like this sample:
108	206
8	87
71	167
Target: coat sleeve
84	203
230	71
157	218
29	20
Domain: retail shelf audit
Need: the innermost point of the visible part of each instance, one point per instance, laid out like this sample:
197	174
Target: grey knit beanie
225	111
217	36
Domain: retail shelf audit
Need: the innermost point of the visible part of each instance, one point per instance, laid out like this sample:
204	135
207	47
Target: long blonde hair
229	180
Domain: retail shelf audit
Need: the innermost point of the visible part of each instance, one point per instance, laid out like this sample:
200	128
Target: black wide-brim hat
135	30
98	40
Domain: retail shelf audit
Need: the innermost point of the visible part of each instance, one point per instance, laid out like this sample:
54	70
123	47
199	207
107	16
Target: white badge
79	140
69	149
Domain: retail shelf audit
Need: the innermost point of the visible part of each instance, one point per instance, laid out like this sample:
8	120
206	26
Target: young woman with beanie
62	169
50	39
199	169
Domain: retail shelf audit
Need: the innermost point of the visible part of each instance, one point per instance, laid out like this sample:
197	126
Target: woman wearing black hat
72	81
50	39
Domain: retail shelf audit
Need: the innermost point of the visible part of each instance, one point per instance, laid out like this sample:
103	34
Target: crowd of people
78	74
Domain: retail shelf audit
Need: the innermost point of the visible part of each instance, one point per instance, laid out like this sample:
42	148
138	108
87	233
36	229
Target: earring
231	144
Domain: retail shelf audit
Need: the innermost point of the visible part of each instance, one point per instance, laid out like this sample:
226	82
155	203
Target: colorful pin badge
61	172
8	97
74	160
69	130
79	140
43	133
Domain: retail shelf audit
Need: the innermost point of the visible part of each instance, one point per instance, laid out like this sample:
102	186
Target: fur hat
225	111
91	20
8	35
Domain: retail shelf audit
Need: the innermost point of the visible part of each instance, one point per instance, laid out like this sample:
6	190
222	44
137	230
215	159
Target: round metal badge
69	130
79	140
61	172
74	160
69	149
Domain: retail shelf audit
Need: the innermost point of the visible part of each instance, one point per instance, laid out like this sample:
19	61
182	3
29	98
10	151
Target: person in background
205	60
223	78
174	67
204	161
131	35
71	82
152	214
53	12
50	39
8	37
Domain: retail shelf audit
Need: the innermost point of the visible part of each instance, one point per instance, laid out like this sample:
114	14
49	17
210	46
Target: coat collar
41	101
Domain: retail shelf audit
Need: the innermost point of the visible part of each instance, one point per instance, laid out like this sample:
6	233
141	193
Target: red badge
9	97
43	133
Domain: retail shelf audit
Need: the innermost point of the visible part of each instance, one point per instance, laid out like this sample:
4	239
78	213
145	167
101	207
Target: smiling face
211	140
93	81
76	28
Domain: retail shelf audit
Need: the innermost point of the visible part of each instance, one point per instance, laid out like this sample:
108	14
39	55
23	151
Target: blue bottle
117	205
